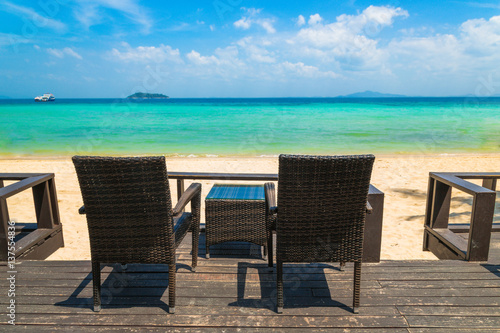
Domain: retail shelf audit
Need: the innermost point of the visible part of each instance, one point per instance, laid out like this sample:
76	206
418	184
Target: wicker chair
130	216
322	203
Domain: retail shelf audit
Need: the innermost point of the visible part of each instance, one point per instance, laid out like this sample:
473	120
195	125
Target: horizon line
279	97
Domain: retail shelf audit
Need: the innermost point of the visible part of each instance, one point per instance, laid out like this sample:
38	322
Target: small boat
45	98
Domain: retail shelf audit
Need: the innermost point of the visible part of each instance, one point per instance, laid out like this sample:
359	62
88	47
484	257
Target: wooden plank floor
234	291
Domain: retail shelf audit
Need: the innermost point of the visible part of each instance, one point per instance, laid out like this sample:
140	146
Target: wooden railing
439	237
33	240
373	225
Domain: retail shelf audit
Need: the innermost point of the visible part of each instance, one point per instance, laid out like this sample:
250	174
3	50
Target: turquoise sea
253	127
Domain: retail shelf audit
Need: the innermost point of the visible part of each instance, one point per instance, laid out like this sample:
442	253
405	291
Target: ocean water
249	127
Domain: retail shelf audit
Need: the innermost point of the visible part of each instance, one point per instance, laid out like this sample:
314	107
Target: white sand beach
403	179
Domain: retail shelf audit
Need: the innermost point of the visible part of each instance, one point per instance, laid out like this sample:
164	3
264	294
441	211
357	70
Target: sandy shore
402	178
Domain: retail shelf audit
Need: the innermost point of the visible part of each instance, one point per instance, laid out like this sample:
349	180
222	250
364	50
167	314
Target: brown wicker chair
322	203
130	216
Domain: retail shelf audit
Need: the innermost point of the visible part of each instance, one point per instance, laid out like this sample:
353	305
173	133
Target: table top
236	192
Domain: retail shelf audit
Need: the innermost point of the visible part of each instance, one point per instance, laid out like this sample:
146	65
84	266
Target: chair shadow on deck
492	268
243	250
305	287
139	285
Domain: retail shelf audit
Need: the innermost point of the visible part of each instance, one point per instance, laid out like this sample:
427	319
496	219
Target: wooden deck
235	293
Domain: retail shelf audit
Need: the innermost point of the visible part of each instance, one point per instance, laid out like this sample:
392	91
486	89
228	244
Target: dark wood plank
18	176
208	311
290	301
453	330
306	322
449	311
155	329
454	321
13	189
450	238
224	176
238	295
259	266
254	290
459	183
465	227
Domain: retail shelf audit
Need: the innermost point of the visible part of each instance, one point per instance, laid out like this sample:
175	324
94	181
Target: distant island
370	94
142	95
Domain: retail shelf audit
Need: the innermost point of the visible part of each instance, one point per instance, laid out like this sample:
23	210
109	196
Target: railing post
53	200
372	241
180	188
483	209
440	209
43	206
490	184
428	210
4	227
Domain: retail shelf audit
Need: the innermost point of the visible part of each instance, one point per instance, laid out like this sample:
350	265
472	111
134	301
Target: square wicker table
236	213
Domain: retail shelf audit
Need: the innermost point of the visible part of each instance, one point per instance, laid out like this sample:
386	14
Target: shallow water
250	126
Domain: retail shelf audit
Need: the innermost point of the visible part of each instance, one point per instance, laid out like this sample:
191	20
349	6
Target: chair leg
357	287
342	266
207	251
270	250
279	285
171	287
195	237
96	279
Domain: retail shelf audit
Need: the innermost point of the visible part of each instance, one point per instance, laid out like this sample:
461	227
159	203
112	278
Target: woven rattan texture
128	207
322	207
235	220
321	213
129	215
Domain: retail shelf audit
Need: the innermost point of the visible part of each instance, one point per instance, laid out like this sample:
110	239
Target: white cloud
437	54
72	53
347	27
346	41
197	59
475	48
33	17
256	50
243	23
89	12
61	53
481	34
267	25
224	64
251	18
301	21
372	19
314	19
300	69
12	39
318	54
146	54
483	5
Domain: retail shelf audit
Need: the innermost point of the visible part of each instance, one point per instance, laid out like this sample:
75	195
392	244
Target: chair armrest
369	208
186	197
81	211
270	195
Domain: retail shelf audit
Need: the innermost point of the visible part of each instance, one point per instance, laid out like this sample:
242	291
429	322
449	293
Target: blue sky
248	48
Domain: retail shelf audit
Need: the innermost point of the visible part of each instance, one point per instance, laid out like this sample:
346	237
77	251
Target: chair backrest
128	207
322	207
